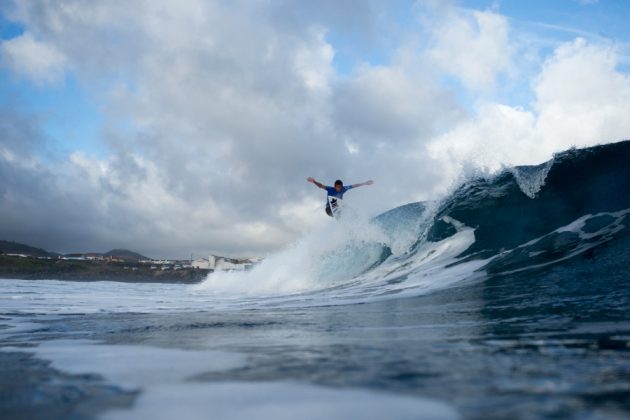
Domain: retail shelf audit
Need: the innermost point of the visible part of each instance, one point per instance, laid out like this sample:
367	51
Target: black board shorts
329	211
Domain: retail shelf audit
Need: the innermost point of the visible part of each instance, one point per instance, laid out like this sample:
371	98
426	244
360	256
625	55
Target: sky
172	128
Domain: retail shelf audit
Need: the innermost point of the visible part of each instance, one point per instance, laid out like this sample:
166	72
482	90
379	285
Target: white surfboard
335	204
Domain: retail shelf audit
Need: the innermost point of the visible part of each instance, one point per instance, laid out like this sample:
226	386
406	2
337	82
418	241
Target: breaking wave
523	218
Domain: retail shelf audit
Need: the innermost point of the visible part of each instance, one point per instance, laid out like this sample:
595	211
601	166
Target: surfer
335	194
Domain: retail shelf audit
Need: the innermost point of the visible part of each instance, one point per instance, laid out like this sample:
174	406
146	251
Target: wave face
523	218
584	196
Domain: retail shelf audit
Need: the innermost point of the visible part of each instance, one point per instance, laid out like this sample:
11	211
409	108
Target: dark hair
338	182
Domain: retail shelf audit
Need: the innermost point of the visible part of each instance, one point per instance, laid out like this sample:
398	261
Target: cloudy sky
189	126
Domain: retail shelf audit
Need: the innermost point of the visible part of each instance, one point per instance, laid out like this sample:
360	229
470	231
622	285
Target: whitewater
508	298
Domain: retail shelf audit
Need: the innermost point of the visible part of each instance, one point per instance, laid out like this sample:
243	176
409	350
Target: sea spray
330	255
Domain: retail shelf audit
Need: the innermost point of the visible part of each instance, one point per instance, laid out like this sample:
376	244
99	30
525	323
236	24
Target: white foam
276	400
297	277
337	252
55	297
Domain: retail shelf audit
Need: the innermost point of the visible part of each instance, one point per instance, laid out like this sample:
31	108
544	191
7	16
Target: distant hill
126	254
9	247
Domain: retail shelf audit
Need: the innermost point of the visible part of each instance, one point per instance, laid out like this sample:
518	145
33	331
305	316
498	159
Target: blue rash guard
333	192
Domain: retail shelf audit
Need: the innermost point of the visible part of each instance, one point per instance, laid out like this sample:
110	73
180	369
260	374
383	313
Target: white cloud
472	46
581	100
314	62
38	61
393	105
581	97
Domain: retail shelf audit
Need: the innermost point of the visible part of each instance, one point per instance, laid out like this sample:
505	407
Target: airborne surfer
335	193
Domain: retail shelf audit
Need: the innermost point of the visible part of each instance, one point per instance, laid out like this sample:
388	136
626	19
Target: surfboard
335	204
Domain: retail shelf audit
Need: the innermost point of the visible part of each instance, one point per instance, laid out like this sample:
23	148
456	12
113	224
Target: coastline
128	272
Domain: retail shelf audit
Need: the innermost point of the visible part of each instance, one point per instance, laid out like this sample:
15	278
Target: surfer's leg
329	211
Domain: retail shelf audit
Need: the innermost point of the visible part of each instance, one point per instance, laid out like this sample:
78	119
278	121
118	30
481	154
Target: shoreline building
201	263
217	263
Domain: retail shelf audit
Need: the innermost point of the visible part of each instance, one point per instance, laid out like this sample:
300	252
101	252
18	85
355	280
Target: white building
214	262
227	264
201	263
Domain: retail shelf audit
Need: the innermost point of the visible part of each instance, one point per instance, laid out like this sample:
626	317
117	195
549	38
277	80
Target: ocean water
508	299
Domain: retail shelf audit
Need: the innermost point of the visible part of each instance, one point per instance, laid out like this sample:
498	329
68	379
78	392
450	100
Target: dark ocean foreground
509	299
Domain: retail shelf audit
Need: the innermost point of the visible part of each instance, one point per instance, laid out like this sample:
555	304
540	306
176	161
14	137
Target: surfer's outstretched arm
319	184
370	182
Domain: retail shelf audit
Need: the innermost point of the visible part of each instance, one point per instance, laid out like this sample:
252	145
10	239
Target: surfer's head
338	185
